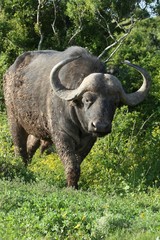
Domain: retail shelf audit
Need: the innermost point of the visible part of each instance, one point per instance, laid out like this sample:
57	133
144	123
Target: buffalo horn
130	99
135	98
60	90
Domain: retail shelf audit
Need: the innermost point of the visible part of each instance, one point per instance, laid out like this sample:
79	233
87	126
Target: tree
57	24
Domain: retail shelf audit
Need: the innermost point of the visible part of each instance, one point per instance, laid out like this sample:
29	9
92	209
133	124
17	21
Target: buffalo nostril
94	125
101	127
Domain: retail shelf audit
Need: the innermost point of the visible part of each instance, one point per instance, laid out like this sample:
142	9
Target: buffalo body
65	98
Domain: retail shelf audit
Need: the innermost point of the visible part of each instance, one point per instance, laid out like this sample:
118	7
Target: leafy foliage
30	25
126	160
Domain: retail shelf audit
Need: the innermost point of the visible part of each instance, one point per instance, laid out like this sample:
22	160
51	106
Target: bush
127	159
48	168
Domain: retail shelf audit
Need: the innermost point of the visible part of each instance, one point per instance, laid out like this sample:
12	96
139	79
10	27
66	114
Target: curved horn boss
59	89
130	99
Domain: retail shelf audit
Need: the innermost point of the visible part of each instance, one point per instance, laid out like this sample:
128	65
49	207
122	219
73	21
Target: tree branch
39	25
79	28
54	21
115	50
118	41
75	34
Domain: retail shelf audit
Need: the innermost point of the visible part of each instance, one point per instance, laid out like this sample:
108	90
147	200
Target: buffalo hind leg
44	145
33	144
19	136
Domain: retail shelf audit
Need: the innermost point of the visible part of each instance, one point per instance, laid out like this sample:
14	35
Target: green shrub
127	159
48	168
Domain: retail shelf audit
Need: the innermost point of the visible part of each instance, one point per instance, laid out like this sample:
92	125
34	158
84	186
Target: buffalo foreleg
65	148
72	170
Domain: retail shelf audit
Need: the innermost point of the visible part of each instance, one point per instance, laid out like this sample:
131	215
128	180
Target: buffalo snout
100	127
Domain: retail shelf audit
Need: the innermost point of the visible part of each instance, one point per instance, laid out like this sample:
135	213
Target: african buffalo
67	98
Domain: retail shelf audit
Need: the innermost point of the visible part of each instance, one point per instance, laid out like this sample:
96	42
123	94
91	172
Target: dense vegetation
119	196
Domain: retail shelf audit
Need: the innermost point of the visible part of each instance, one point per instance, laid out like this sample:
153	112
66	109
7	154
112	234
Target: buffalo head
98	96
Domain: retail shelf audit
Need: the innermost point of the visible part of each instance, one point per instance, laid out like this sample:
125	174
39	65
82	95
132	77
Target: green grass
39	211
35	205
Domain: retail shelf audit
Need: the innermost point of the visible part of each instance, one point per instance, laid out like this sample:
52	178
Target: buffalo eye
87	101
